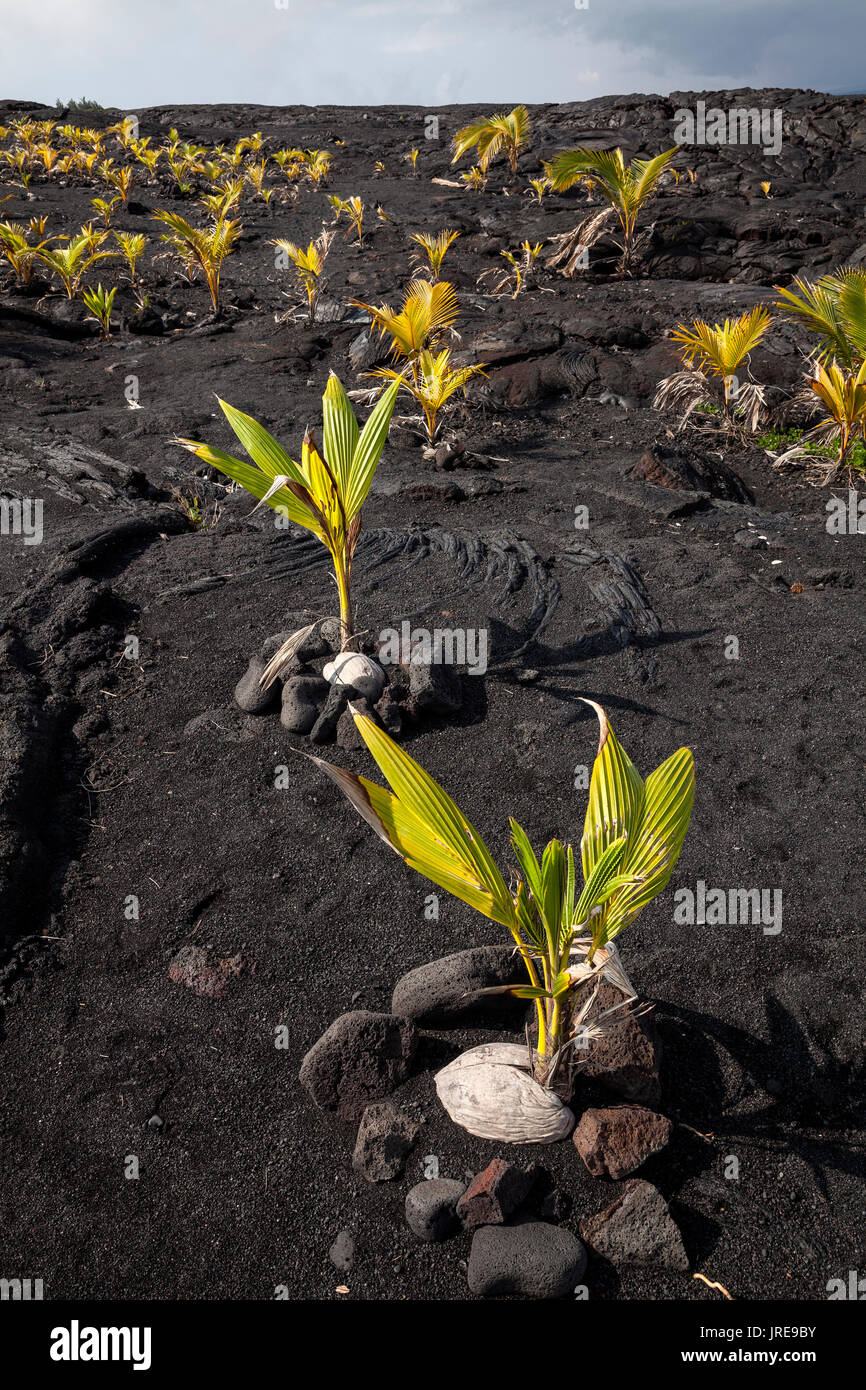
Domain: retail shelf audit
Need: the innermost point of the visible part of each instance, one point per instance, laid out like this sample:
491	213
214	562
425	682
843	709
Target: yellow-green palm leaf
419	820
721	348
427	311
504	134
652	818
834	308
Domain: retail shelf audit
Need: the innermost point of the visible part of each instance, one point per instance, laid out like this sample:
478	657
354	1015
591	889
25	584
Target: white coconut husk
489	1092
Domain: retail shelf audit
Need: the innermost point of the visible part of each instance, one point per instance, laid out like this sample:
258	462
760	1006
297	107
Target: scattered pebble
342	1252
194	968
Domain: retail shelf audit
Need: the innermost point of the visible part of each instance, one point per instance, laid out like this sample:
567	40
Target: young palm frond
474	178
17	249
495	135
843	395
100	303
132	246
436	382
122	180
835	309
201	249
539	188
633	834
723	348
223	200
309	267
523	266
354	210
626	187
433	250
714	354
105	207
428	311
70	262
316	164
322	493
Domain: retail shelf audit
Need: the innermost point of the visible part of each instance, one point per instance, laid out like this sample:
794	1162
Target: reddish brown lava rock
615	1140
626	1057
494	1195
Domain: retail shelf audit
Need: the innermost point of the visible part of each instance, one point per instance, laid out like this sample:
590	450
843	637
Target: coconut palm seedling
834	308
123	180
539	188
213	171
100	303
106	208
49	157
94	236
842	392
433	385
843	395
317	165
324	493
18	251
522	269
201	250
224	199
252	143
495	135
632	837
256	175
287	162
474	178
411	157
428	311
713	356
149	158
627	188
106	171
354	210
70	263
432	250
132	246
18	160
84	162
309	268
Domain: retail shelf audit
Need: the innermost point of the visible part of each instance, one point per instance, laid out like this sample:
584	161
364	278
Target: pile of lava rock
314	687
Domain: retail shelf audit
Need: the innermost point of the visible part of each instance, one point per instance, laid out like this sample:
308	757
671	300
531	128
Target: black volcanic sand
114	785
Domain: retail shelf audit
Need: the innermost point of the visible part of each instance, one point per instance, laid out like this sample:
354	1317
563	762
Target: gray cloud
129	54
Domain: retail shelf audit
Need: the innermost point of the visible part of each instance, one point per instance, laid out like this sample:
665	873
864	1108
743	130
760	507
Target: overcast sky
134	53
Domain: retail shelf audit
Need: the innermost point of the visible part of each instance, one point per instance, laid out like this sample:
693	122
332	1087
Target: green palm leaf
368	451
340	431
420	821
615	796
